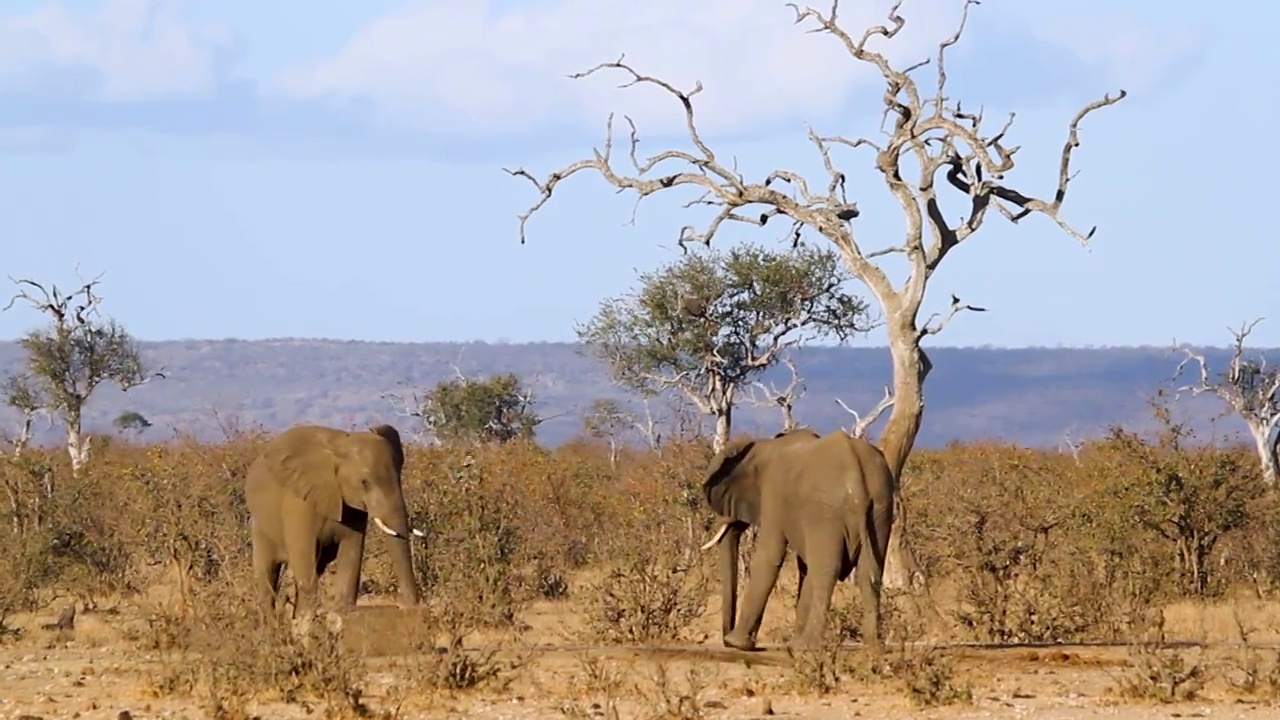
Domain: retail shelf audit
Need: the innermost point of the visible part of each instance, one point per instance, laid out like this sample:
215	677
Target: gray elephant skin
830	498
312	493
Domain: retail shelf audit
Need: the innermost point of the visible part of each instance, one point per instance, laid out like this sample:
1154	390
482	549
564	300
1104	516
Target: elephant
829	497
311	494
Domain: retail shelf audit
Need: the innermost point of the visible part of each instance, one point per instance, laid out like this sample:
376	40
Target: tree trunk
24	435
1266	453
724	422
910	367
77	444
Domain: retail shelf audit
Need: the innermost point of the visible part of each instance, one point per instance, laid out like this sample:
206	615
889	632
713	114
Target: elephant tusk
718	536
383	527
419	533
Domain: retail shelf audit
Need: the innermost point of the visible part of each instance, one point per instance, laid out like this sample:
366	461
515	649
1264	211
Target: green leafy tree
470	410
708	323
68	359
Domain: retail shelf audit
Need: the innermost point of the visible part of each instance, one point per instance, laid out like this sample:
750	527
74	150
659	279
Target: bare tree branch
409	405
862	422
931	327
1072	446
784	399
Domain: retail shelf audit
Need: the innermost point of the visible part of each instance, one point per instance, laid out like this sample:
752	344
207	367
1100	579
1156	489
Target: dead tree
68	360
784	399
1252	390
927	128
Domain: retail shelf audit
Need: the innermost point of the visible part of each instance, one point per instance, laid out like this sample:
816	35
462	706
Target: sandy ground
98	671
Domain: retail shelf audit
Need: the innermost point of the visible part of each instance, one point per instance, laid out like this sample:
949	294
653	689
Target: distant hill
1031	396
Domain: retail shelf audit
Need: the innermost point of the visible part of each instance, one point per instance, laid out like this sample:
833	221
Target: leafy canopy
470	410
712	319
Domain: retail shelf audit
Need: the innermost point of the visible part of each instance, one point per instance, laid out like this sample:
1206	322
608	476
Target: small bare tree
648	426
929	135
1252	390
605	419
67	360
784	399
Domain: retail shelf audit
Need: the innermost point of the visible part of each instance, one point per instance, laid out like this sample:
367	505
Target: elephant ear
307	461
732	486
392	436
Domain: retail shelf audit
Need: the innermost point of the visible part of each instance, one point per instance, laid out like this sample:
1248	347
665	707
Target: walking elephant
829	497
312	494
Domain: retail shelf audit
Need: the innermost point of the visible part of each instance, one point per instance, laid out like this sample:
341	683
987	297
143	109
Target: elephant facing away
312	494
829	497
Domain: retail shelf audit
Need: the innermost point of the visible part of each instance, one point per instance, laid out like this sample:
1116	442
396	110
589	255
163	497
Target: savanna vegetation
1018	545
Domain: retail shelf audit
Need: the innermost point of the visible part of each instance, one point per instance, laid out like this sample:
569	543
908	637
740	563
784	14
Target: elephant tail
860	533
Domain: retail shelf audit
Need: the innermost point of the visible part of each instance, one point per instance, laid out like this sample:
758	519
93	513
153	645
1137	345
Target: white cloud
136	50
466	66
1132	53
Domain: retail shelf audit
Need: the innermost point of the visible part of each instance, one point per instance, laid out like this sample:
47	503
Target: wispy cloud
472	70
468	67
129	51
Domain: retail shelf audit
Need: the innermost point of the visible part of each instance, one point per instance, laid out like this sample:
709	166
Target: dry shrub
430	669
927	676
221	652
1043	547
646	599
819	670
1163	674
675	697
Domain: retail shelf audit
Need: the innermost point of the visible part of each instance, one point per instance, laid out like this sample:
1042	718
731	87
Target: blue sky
290	168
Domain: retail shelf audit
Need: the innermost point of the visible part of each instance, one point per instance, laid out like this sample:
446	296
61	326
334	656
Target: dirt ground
98	671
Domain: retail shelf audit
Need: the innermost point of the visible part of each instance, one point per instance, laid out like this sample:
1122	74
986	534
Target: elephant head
361	470
733	488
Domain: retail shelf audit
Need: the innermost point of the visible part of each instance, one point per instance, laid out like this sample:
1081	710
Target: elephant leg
802	598
326	553
729	577
870	574
869	588
350	557
266	572
770	551
302	564
821	583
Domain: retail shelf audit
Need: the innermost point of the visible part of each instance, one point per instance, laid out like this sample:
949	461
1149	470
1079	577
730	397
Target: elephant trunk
729	575
390	516
402	559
